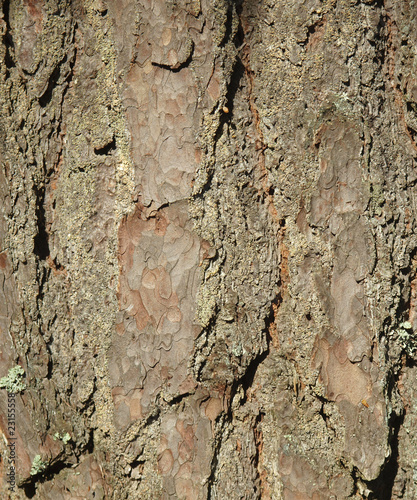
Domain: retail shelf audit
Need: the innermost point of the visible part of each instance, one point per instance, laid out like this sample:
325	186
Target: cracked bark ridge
207	248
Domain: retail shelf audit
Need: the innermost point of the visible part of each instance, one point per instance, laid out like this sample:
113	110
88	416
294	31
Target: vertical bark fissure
8	39
41	245
383	485
393	84
301	359
264	492
261	145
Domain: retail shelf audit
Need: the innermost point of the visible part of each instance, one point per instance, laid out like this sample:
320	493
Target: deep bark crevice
383	485
107	149
259	443
260	143
394	79
381	488
229	24
234	86
177	67
30	487
8	39
259	79
41	240
246	381
232	89
46	97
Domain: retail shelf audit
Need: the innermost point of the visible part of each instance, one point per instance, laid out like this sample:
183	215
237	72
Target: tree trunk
207	249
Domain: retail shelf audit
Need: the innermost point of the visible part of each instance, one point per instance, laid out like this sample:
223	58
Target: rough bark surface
208	264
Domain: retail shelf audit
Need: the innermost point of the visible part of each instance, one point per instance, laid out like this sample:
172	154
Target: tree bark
208	250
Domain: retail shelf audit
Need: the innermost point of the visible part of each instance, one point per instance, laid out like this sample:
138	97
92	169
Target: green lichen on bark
38	466
207	254
13	382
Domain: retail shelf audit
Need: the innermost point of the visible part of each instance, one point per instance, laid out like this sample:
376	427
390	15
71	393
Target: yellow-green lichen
13	382
38	466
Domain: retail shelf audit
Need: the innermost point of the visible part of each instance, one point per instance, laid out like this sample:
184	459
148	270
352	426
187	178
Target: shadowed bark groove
208	249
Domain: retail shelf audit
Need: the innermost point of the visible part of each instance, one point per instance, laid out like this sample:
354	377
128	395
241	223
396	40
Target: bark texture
207	248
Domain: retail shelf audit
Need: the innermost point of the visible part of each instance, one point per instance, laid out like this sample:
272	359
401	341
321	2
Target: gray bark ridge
207	249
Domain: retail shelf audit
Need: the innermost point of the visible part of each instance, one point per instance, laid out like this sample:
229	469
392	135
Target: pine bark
208	250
